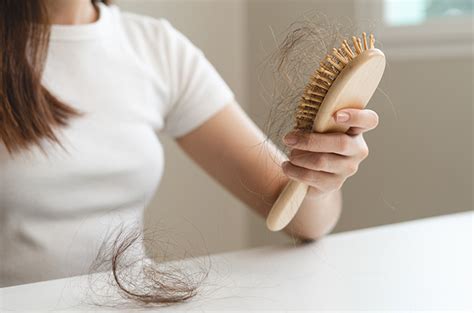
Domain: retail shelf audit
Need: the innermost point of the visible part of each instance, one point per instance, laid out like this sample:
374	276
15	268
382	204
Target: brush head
346	78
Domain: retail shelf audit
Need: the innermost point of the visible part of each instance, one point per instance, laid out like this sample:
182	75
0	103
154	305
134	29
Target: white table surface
418	265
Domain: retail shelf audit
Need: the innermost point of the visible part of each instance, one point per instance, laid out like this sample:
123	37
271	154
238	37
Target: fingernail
342	117
290	139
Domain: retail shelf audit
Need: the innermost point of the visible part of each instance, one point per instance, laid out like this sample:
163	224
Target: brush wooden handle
353	88
286	205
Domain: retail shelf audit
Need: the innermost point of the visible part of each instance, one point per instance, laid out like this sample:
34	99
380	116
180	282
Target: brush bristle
324	76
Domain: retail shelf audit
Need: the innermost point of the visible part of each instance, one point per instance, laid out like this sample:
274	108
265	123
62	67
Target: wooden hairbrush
347	78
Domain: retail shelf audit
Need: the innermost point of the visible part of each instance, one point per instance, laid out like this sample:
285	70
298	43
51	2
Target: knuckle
343	143
297	157
320	161
314	141
288	168
352	168
306	175
364	152
293	158
305	139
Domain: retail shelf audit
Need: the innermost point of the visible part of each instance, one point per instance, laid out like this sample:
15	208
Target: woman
83	89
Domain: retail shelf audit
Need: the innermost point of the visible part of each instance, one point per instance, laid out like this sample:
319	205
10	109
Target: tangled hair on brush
128	277
305	43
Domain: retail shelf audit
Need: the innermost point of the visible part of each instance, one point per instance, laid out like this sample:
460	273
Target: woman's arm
233	150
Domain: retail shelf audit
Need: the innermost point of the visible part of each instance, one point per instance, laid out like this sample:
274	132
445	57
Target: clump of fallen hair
304	45
128	277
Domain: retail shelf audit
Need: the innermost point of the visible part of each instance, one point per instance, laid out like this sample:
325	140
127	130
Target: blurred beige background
421	154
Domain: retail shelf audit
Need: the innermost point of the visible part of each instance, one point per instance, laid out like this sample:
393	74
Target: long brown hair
29	113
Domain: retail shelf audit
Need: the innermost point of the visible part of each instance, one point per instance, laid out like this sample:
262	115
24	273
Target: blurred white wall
421	154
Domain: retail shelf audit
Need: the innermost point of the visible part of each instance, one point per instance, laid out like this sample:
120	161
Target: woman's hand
325	161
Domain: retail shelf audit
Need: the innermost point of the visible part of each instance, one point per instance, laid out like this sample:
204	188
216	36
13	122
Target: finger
325	162
338	143
322	181
364	119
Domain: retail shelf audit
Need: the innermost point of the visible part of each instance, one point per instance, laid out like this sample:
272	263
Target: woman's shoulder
142	26
157	36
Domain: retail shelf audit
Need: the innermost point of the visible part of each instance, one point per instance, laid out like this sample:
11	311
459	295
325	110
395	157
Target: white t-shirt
131	76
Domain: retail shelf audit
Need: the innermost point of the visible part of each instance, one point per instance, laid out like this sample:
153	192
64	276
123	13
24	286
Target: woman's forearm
234	151
317	215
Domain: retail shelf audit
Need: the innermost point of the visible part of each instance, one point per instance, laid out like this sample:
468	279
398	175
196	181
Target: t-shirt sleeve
197	91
